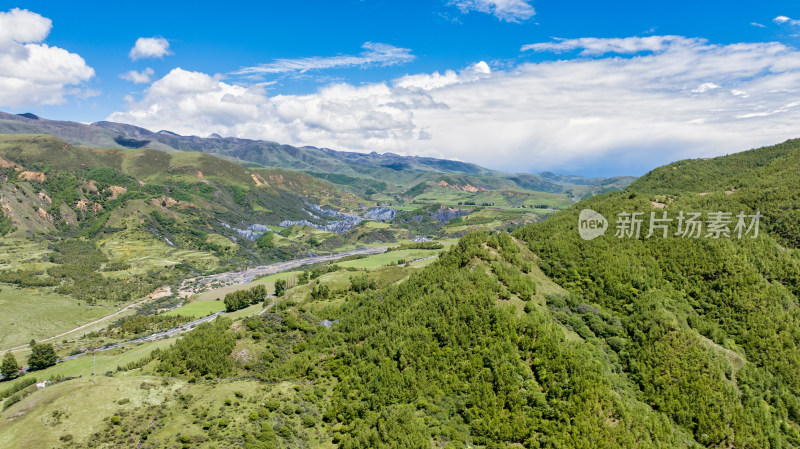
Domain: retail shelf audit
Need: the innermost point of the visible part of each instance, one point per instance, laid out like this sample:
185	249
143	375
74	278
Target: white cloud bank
32	73
671	98
149	47
506	10
374	54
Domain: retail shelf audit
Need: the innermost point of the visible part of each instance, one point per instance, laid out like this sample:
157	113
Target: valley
266	307
449	224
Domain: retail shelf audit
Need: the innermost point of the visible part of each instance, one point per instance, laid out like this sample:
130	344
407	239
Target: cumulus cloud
149	47
374	54
436	80
193	103
647	103
506	10
33	73
135	77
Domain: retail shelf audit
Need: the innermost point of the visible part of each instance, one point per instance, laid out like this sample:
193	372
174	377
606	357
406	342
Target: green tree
362	283
258	293
202	352
42	355
320	291
303	278
265	241
280	287
9	367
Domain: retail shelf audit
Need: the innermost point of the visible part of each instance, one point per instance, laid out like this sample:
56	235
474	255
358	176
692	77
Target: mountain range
382	173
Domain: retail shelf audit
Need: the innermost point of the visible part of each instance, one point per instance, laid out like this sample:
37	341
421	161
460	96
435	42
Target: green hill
711	325
538	339
142	214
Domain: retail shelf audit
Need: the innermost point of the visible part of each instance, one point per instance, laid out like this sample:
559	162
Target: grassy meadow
31	313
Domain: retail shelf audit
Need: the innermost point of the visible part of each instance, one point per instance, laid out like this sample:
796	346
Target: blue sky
598	88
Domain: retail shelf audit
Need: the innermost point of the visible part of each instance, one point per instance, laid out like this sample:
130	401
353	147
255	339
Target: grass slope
32	313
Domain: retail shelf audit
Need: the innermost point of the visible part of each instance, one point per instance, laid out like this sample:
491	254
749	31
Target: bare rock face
341	223
253	231
446	214
116	191
33	176
380	214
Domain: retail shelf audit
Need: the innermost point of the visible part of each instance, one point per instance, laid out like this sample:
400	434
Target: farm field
392	257
198	309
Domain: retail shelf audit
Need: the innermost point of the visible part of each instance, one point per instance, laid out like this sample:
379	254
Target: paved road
165	334
158	335
233	277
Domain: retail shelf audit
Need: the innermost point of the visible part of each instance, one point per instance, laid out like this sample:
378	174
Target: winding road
222	279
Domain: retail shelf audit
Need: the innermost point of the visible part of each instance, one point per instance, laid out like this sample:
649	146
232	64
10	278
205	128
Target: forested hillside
711	325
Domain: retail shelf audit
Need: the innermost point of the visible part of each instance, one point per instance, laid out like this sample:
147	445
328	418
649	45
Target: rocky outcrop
253	231
8	164
343	223
466	188
33	176
116	191
380	214
334	226
163	201
446	214
258	180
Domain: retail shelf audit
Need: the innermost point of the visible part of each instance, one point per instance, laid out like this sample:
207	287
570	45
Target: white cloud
593	46
507	10
784	19
32	73
759	25
22	26
436	80
670	98
149	47
135	77
374	54
705	87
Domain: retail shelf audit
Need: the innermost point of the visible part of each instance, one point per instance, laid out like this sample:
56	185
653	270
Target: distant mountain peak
30	116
